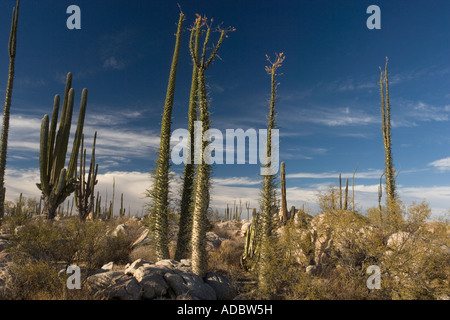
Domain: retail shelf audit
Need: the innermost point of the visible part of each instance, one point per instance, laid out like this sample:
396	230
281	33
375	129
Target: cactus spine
185	230
386	128
6	110
84	192
202	196
160	190
57	182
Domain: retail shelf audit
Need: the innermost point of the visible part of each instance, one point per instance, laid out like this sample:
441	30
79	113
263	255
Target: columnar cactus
353	189
346	195
283	192
58	182
185	229
6	110
160	190
122	210
84	192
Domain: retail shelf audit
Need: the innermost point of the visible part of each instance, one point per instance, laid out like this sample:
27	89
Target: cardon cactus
58	182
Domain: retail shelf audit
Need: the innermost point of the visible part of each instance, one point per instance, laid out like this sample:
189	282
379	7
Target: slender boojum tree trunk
160	192
6	110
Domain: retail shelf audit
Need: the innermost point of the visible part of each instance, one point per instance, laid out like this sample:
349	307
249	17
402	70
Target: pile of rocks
165	279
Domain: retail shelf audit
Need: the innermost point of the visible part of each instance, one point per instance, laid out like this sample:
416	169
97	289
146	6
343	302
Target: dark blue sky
328	98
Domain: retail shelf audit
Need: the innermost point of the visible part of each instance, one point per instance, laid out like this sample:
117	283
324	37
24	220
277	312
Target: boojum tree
268	201
202	195
6	110
386	129
159	193
185	225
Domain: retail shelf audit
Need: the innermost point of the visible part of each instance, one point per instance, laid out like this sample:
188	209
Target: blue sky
328	98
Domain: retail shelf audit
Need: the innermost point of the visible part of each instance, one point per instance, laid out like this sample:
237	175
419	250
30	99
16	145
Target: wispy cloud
372	174
239	181
426	112
114	49
113	63
441	164
336	117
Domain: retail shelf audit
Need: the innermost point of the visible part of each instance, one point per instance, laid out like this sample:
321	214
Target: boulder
213	240
125	288
103	280
152	281
5	278
165	279
121	228
398	240
189	284
141	240
130	269
222	286
107	267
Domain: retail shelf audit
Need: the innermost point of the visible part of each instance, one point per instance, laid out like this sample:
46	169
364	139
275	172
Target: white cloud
134	185
242	181
442	164
372	174
334	117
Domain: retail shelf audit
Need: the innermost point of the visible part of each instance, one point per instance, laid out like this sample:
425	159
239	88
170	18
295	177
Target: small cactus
84	193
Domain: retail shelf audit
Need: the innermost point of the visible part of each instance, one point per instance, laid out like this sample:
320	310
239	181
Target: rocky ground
320	243
146	280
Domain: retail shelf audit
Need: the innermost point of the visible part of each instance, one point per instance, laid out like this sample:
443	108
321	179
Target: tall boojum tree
8	99
268	201
202	195
387	141
159	193
185	226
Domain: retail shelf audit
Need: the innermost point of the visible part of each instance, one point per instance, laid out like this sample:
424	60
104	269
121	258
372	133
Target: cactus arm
43	156
78	134
52	134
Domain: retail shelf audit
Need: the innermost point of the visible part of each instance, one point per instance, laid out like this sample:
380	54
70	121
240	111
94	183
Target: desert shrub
411	251
227	257
42	248
146	253
34	280
18	212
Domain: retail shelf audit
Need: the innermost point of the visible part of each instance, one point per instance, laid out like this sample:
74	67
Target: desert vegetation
276	253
